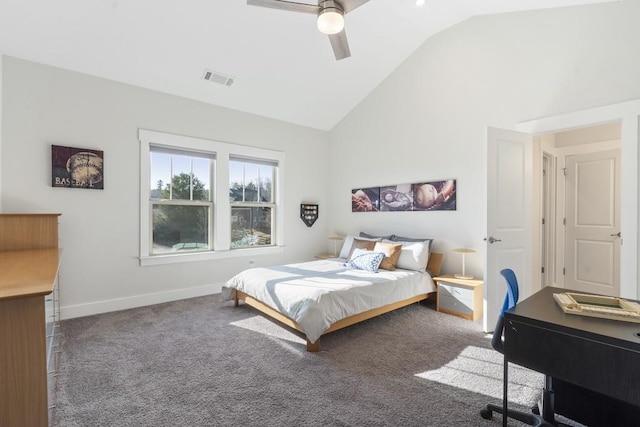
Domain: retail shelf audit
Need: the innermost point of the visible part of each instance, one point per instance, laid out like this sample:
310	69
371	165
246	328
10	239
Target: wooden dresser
29	317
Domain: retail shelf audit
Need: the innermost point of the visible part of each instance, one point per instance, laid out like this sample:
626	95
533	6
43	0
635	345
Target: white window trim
220	187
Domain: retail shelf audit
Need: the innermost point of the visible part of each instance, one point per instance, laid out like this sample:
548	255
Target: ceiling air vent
214	76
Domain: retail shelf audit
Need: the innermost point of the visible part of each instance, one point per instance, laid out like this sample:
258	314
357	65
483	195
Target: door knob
492	239
616	235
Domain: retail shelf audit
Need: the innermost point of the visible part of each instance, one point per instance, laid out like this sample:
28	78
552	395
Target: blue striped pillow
363	259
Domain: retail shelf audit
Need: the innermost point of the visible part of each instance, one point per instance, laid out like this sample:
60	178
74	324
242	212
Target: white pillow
348	242
413	255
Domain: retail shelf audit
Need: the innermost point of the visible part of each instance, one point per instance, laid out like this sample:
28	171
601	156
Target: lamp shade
463	251
330	20
335	239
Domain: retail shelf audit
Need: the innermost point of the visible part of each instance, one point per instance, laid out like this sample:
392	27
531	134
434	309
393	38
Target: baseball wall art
77	167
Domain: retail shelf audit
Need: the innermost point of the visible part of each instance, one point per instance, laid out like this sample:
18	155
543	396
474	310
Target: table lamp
335	239
463	251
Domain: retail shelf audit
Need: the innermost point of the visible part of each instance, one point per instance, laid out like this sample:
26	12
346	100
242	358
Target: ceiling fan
330	18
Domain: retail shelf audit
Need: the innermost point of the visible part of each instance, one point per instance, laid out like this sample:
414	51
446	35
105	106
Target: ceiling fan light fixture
330	18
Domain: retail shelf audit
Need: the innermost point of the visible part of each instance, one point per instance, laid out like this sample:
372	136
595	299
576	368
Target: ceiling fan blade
285	5
349	5
340	45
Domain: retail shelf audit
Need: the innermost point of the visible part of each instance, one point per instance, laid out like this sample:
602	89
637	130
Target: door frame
627	113
547	233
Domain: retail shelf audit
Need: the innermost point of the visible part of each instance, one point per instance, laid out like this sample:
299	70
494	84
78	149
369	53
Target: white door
592	239
509	210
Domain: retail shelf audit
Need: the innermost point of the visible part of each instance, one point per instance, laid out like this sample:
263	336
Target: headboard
435	263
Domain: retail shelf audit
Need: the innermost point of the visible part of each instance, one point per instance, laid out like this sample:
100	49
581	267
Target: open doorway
627	115
580	199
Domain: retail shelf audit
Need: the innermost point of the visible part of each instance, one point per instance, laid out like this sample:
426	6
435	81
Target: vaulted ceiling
282	66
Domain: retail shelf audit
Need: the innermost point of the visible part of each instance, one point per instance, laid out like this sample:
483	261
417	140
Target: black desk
593	364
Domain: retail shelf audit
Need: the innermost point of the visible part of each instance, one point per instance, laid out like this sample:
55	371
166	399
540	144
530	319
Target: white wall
99	230
428	119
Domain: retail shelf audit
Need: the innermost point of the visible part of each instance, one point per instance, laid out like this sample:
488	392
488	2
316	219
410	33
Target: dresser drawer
456	291
449	303
460	297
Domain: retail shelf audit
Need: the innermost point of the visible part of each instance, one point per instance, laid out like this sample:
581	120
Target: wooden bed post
313	347
235	298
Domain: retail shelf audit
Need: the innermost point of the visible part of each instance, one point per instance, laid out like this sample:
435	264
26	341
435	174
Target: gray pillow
370	236
395	238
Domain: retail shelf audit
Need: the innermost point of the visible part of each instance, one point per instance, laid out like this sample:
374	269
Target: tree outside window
252	202
181	208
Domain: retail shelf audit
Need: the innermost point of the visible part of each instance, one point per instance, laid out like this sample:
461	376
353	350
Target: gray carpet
200	362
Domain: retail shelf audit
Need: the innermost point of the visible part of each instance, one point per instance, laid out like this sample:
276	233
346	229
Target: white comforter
318	293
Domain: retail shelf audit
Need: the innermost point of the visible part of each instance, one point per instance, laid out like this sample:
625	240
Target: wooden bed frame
434	265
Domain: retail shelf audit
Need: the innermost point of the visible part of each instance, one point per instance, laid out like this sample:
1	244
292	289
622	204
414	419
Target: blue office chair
510	300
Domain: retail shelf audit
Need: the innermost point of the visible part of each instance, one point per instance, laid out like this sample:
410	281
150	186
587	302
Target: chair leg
505	389
527	418
548	399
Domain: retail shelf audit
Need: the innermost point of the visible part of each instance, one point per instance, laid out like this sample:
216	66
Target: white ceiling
283	67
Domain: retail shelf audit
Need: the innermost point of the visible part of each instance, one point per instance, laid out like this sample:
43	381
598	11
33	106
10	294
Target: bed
319	297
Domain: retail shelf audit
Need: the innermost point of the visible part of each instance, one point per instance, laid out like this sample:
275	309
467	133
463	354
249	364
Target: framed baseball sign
77	167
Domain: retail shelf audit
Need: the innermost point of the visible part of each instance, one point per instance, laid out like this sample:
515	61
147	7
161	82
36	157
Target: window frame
257	204
153	148
221	222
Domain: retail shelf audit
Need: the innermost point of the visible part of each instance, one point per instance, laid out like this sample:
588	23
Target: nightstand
324	256
460	297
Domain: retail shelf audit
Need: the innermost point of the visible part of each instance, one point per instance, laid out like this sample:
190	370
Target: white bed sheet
317	294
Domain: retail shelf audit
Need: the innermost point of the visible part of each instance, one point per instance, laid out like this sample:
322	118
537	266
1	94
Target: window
202	199
180	200
252	203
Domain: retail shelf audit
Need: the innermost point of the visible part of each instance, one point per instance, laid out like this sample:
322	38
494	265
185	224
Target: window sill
207	256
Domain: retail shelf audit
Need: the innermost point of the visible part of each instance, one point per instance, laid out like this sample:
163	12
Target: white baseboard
81	310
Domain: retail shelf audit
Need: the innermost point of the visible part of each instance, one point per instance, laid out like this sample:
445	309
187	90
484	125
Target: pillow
369	236
395	238
348	242
391	253
363	259
413	255
361	244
